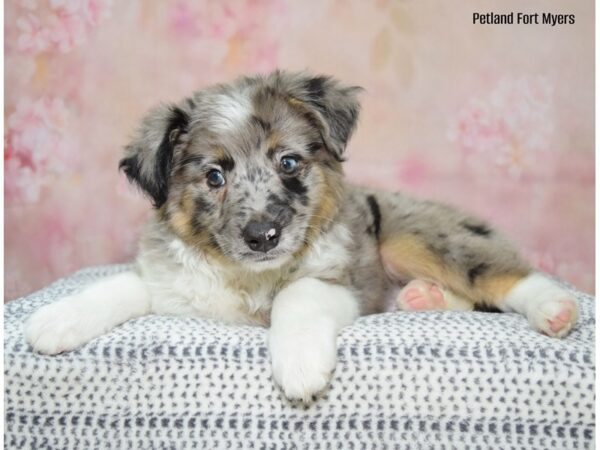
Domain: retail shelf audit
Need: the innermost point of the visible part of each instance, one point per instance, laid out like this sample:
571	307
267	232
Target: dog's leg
306	318
457	261
74	320
548	307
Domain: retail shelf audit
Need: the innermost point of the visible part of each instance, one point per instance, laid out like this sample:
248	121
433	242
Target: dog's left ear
334	106
149	156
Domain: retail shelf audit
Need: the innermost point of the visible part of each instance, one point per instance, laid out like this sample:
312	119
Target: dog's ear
334	106
149	156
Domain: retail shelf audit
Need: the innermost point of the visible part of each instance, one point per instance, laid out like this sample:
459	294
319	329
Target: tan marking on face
328	201
407	257
327	205
273	140
219	153
181	222
295	102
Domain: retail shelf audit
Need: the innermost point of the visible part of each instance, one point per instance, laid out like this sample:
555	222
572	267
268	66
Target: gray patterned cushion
403	380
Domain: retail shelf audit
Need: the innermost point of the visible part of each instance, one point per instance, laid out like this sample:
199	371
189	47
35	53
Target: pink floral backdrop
495	119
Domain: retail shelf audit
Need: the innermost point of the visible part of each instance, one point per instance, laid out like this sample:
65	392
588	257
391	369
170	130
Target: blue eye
289	164
215	178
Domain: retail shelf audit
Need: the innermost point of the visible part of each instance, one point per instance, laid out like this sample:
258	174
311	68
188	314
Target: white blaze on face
230	111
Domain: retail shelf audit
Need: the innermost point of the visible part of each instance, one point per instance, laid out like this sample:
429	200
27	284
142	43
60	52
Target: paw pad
564	319
419	295
555	316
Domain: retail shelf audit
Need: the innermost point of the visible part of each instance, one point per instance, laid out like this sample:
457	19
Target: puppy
254	224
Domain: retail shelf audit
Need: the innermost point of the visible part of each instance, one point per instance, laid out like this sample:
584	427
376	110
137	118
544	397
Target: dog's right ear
149	156
333	106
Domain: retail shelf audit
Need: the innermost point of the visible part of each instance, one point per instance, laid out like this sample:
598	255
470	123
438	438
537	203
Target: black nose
261	236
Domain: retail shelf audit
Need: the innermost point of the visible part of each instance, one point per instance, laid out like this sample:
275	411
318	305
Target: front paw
302	363
58	327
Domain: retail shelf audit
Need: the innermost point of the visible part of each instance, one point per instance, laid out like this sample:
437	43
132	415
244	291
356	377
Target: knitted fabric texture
403	380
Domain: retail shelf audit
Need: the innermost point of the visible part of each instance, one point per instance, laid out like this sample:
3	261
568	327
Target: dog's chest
194	287
187	283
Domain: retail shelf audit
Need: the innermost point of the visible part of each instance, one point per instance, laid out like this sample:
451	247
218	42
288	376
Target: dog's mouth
260	257
263	261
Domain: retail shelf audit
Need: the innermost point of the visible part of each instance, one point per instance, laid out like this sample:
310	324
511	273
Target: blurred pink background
495	119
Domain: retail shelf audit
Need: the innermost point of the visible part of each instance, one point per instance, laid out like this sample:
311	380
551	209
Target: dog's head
250	170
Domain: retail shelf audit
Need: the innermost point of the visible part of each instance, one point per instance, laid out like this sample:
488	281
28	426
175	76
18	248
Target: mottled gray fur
243	130
255	224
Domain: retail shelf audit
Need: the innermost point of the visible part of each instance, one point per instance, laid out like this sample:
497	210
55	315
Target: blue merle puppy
255	224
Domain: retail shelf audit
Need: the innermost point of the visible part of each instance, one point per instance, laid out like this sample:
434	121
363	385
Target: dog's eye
289	164
215	178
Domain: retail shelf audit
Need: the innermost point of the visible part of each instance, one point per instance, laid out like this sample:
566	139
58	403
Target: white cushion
408	380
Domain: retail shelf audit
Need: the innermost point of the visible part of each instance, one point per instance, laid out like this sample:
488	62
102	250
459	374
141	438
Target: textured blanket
403	380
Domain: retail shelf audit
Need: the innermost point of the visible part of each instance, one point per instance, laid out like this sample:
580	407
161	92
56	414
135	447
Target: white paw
59	327
549	308
554	317
303	362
